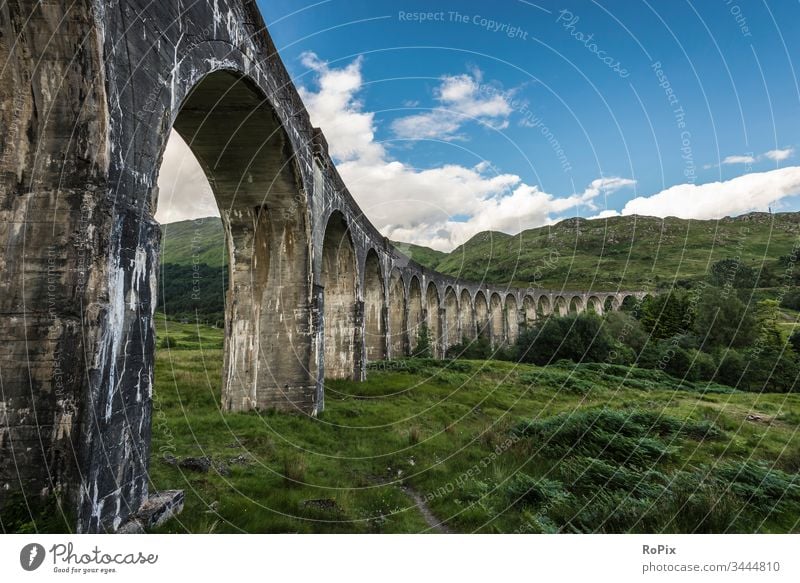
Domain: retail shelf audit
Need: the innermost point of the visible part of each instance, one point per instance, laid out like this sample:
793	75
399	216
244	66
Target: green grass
491	446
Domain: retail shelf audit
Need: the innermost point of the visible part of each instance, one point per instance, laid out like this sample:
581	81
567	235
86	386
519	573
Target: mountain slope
632	252
193	242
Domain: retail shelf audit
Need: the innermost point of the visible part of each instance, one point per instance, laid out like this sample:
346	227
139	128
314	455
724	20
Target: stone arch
466	316
232	130
433	320
594	305
497	325
338	278
481	315
543	306
560	306
529	311
451	334
374	321
397	309
415	312
576	305
628	303
512	319
611	304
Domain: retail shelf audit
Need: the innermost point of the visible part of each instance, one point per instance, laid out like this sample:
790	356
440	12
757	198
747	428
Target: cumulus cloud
184	191
779	155
751	192
774	155
739	160
460	101
440	207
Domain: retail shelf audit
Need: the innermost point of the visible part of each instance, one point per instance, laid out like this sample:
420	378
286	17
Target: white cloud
775	155
441	207
779	155
739	160
751	192
460	101
184	191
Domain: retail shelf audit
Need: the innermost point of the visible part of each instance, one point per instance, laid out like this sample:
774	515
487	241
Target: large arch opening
576	305
338	279
245	154
512	319
433	321
497	327
450	335
467	316
594	305
611	304
397	309
374	324
414	312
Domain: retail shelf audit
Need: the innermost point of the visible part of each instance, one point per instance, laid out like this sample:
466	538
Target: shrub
168	342
580	338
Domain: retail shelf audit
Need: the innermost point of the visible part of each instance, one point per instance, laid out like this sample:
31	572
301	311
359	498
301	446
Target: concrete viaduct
90	91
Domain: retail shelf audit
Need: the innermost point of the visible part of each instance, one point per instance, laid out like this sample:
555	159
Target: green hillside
422	255
626	251
191	242
630	252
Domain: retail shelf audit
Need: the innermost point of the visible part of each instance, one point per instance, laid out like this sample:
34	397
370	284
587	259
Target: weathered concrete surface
89	93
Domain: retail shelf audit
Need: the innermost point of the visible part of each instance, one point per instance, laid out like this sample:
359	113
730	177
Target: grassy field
480	446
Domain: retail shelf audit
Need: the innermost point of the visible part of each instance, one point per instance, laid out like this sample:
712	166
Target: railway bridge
90	91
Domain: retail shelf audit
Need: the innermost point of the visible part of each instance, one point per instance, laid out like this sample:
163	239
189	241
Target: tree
423	349
732	273
772	361
665	315
723	320
578	337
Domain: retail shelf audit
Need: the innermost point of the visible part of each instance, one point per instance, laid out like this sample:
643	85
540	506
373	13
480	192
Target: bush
703	366
423	348
732	369
626	330
580	338
791	300
168	342
477	349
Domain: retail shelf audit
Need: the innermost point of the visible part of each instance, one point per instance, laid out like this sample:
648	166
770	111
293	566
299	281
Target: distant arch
576	305
433	320
611	304
512	319
466	315
481	315
397	309
374	325
628	303
414	312
497	328
529	311
450	334
339	283
593	304
543	306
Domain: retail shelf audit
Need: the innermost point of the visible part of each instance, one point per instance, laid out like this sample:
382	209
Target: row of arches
369	319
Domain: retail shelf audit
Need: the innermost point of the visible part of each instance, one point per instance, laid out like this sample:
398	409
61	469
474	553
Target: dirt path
430	519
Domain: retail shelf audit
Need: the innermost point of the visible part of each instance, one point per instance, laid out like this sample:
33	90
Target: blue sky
509	114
